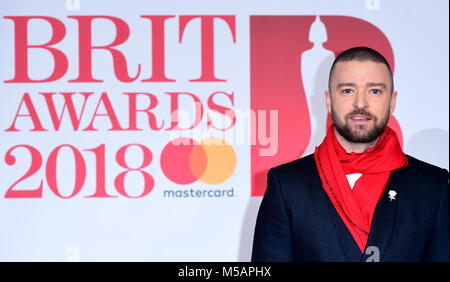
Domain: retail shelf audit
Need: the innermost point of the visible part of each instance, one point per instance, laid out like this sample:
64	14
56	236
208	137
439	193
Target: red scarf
356	207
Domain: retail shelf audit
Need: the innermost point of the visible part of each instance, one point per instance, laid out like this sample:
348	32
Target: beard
360	133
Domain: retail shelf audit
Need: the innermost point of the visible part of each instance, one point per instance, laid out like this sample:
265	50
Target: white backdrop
214	219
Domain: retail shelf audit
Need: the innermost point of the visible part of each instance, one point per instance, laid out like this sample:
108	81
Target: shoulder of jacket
304	166
423	175
303	162
427	170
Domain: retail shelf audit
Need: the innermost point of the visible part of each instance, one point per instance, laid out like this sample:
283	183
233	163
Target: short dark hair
361	53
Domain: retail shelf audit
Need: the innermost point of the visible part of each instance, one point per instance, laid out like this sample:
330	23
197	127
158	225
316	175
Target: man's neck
351	147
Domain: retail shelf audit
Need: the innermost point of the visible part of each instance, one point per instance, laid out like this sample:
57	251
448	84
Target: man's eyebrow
372	84
343	84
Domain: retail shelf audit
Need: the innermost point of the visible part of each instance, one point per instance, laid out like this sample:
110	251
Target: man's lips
360	118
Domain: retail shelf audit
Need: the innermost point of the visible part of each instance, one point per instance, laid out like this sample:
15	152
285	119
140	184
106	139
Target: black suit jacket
297	221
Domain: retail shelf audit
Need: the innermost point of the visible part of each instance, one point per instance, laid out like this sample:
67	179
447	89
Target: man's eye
375	91
347	91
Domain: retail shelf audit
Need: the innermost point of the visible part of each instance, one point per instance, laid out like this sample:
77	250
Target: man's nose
361	100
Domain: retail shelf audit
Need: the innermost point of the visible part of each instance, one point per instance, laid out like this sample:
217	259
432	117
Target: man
358	197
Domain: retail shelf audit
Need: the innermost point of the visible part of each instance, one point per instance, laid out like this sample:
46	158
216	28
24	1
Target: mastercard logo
184	160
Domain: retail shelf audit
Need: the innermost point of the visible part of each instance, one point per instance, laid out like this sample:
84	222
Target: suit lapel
381	227
348	244
384	216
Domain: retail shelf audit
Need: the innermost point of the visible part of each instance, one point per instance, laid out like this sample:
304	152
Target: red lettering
85	49
31	113
36	162
100	188
207	42
158	56
119	182
21	47
133	111
109	113
80	171
174	110
68	103
222	110
182	116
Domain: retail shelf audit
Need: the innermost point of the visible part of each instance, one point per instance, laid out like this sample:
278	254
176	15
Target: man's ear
393	101
328	100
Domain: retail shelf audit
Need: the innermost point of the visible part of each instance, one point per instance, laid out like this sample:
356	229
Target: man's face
360	100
